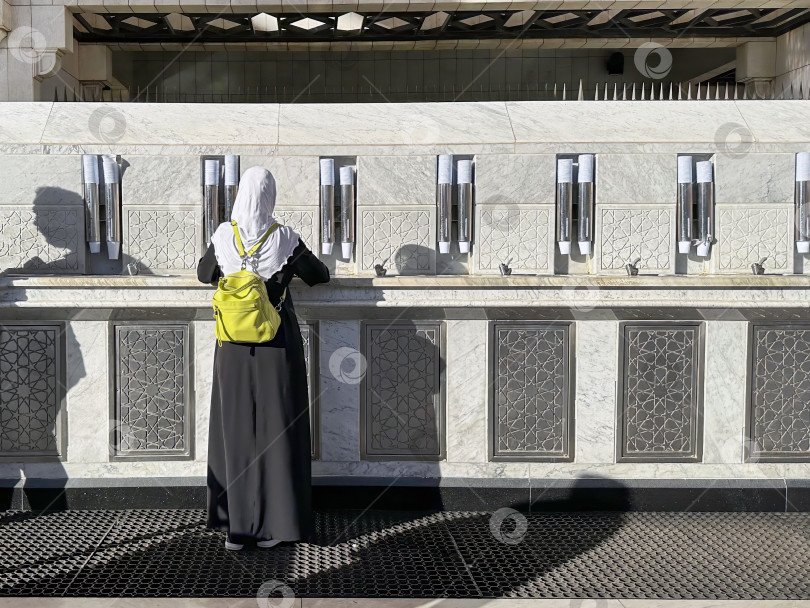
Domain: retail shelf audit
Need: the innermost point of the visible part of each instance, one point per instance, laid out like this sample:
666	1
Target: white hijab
253	212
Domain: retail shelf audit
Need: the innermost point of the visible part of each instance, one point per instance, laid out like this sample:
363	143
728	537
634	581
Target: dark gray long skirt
259	463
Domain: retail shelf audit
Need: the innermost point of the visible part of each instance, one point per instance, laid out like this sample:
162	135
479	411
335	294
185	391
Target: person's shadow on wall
41	358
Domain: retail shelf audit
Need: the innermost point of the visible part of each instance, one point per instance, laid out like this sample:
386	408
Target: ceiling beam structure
664	23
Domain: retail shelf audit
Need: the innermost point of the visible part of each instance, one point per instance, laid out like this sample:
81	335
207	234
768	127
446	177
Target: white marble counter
642	281
583	293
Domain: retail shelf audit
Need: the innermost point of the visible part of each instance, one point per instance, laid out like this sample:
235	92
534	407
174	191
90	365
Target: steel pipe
585	203
465	205
231	183
705	210
91	202
327	166
112	204
803	202
685	209
444	200
347	211
565	195
211	198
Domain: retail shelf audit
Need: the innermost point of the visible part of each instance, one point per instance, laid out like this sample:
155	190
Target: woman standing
259	476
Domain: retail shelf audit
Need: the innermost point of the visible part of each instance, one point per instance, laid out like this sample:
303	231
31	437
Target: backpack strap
255	247
281	301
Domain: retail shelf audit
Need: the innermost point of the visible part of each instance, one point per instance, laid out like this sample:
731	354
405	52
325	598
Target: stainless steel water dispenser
91	202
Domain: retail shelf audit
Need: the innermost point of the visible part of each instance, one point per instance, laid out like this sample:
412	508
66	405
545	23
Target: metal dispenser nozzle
231	183
112	204
585	202
211	198
705	191
444	200
803	202
685	204
327	205
347	211
465	205
91	202
564	203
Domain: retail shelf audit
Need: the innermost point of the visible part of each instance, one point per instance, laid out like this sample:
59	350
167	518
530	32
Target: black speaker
615	64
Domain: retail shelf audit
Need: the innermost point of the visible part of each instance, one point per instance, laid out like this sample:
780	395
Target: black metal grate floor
408	554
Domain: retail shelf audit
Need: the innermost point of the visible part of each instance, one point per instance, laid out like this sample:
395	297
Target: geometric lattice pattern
152	402
519	234
748	234
635	232
400	240
303	222
779	412
532	392
30	391
660	408
162	239
402	391
44	239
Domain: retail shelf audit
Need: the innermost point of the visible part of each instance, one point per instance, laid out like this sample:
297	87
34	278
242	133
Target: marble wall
514	214
426	398
430	374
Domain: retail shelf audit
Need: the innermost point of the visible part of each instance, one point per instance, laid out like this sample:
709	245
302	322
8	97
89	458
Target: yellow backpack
242	310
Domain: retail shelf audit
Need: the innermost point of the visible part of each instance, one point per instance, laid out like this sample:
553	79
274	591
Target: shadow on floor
355	553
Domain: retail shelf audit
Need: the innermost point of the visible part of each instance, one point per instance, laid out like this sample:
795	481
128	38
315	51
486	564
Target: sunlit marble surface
390	124
391	128
23	122
160	124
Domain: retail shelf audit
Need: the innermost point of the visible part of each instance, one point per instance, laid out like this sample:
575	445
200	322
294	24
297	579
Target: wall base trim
468	494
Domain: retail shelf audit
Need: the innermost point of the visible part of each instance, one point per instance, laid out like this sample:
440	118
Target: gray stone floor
390	603
397	558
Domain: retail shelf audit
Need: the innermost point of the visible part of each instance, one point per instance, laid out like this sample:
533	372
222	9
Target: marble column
597	361
204	343
90	427
467	391
342	367
724	391
36	39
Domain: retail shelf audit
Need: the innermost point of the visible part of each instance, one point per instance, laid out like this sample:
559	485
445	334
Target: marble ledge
172	473
725	297
430	282
349	149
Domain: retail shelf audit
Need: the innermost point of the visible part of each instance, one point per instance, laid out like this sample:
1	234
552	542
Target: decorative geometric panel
45	239
660	408
152	409
403	405
531	413
747	234
310	340
400	240
522	235
163	238
303	222
31	390
627	233
779	408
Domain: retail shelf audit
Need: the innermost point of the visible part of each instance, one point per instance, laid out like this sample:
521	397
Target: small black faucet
632	267
504	268
380	268
759	267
